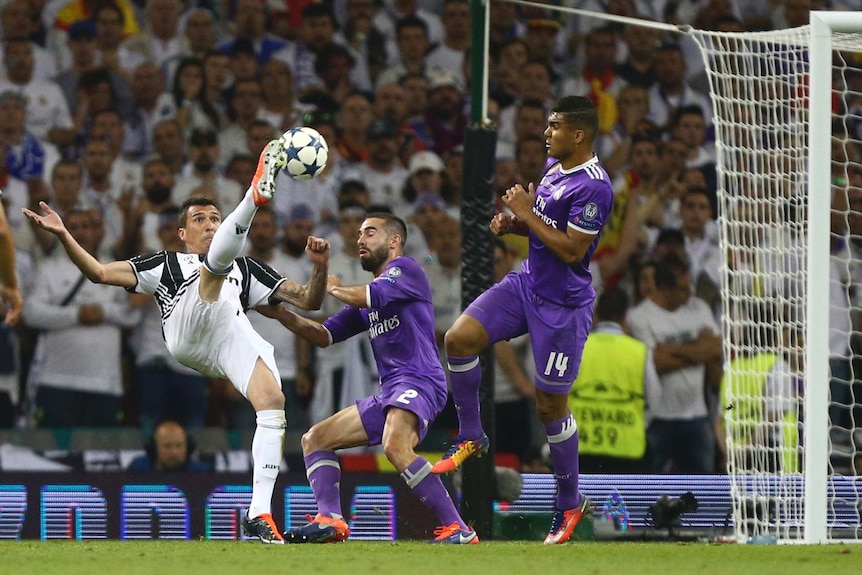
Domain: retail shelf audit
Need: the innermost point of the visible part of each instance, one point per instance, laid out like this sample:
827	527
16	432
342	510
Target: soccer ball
306	152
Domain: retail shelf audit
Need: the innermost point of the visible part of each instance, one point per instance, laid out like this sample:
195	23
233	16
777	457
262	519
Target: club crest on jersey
591	210
394	272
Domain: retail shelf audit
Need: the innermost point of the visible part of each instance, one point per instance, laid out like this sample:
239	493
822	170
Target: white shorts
216	339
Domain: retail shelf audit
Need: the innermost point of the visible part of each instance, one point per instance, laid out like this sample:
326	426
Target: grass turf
376	558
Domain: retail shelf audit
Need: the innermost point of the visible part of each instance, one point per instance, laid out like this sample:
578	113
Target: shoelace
453	449
557	521
445	531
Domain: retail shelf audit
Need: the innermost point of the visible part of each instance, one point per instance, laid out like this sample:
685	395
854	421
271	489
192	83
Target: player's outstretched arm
310	295
354	296
303	327
117	273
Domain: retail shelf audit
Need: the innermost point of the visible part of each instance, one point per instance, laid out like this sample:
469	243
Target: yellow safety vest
608	400
743	407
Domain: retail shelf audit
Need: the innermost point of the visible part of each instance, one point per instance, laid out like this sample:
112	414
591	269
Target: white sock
229	238
266	452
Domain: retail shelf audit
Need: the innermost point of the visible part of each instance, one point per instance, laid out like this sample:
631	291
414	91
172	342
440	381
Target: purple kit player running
551	298
395	310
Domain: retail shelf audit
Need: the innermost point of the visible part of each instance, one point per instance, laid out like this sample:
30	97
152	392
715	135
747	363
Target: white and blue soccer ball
306	151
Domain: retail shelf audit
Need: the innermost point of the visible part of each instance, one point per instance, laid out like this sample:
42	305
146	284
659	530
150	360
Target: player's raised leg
230	237
464	340
266	397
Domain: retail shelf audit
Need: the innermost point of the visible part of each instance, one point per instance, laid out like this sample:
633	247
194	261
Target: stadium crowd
116	111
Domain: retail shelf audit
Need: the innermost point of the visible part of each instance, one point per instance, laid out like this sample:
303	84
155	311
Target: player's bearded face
374	257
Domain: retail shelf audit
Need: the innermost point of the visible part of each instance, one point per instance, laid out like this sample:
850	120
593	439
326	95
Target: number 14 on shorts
557	361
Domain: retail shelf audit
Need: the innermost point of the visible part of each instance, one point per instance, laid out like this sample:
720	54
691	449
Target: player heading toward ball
551	298
202	314
395	310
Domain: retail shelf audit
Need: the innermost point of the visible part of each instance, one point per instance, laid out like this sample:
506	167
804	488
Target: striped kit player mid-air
202	296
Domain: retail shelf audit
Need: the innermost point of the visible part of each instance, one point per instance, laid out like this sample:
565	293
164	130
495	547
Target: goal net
789	144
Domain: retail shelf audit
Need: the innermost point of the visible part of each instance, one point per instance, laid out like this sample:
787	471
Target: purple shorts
419	397
557	333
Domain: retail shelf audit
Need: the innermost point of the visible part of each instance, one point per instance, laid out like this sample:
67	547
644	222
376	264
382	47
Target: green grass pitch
380	558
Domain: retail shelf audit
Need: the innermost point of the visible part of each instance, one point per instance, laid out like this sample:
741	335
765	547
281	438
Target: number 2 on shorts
407	396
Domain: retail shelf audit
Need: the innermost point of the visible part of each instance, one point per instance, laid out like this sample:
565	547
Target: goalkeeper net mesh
759	89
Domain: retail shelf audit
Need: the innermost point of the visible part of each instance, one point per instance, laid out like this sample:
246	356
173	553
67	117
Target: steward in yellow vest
609	397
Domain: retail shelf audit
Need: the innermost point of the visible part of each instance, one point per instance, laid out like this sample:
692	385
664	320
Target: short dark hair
612	305
410	22
579	111
194	201
668	270
392	224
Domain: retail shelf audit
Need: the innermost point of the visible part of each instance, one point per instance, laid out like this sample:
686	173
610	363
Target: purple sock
431	492
563	441
465	375
324	474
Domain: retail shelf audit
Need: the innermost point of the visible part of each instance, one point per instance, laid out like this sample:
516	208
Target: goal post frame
819	202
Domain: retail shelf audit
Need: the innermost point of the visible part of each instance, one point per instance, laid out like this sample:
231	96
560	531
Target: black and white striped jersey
168	275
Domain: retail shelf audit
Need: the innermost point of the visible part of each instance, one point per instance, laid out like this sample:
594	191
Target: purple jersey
400	322
579	198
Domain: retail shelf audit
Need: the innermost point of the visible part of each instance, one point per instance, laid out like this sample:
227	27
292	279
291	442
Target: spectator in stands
412	42
685	341
75	386
100	192
390	105
77	10
701	249
449	54
109	127
170	449
250	26
387	19
147	85
354	120
187	101
168	145
614	390
199	33
641	43
246	103
48	116
382	171
161	42
614	146
17	24
442	127
671	92
202	170
145	231
444	275
278	105
689	126
334	65
416	95
598	80
531	155
109	21
26	156
365	42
